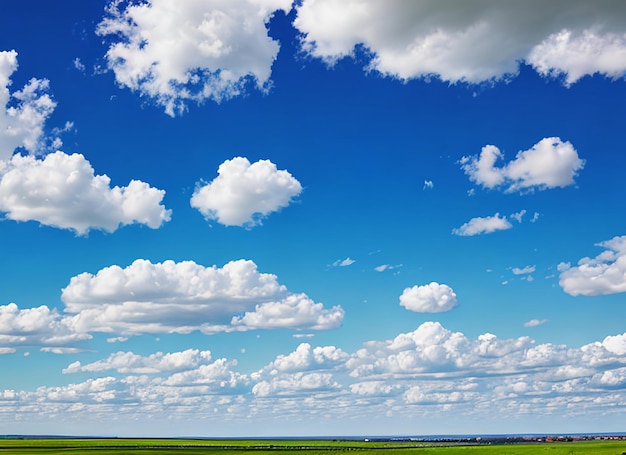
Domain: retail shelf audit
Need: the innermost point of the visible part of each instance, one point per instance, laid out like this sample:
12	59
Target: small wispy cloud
518	216
343	262
79	65
524	271
485	225
535	322
428	185
383	267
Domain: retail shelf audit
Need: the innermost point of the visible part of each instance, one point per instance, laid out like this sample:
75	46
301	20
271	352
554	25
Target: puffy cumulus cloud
434	353
550	163
576	55
176	52
473	42
61	190
604	274
295	384
218	375
184	296
23	113
296	311
429	298
442	372
615	344
40	326
377	388
305	358
243	194
128	362
483	225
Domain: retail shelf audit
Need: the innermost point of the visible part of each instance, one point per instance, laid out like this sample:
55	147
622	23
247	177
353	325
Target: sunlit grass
285	447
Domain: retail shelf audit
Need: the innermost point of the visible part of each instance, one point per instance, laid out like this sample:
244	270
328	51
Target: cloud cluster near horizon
437	369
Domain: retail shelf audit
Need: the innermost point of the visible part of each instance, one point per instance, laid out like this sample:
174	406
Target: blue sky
258	218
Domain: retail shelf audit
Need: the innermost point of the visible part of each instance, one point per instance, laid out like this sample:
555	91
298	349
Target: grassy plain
287	447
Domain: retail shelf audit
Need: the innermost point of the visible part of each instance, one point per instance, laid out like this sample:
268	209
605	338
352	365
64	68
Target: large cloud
550	163
61	190
243	194
184	296
604	274
175	52
483	225
23	113
428	373
475	41
430	298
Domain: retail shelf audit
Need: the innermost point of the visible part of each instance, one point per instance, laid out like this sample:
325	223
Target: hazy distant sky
332	217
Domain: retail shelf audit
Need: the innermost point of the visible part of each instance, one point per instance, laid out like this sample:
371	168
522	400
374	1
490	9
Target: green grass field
286	447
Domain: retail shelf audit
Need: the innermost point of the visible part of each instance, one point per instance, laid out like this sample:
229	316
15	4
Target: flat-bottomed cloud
62	191
182	297
243	194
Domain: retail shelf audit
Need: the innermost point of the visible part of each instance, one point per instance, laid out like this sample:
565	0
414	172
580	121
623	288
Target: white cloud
615	344
518	216
59	350
485	225
304	358
79	65
117	339
535	322
524	271
343	262
373	388
430	298
576	55
40	326
176	52
295	384
473	42
243	194
428	373
23	113
128	362
294	311
61	190
383	267
428	184
183	297
217	375
550	163
604	274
